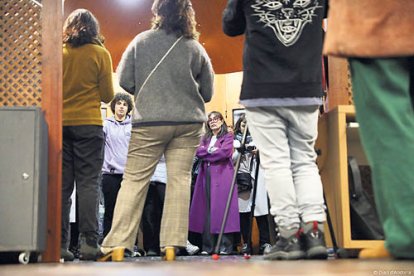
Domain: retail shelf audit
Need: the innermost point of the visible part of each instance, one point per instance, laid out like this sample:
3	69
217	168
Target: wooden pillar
52	107
340	91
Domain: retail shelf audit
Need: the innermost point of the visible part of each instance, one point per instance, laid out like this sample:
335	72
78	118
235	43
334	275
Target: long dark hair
81	27
175	16
223	130
237	127
238	134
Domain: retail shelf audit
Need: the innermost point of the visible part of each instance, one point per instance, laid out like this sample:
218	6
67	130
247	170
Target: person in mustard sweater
87	80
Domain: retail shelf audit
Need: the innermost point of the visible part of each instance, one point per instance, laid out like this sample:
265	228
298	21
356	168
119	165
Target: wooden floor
226	266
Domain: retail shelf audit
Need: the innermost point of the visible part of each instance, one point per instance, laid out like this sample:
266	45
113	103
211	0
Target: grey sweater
177	90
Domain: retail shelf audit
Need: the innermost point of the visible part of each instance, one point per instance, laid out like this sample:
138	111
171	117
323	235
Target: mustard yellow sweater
87	80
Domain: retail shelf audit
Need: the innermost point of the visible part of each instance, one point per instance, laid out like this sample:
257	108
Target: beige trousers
147	144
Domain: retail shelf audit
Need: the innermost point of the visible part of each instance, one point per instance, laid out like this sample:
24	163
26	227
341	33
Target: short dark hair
175	16
81	27
122	97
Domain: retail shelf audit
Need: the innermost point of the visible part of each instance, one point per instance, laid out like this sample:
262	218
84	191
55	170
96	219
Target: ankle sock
312	225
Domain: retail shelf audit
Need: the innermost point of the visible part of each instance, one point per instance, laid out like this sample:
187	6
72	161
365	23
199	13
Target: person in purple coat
213	186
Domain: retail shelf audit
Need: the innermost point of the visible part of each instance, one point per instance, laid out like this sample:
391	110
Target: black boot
286	248
314	241
89	248
66	255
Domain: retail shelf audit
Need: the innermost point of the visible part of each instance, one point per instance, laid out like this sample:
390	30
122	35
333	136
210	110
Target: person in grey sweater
171	77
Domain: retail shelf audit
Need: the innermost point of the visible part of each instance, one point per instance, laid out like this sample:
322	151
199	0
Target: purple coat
221	172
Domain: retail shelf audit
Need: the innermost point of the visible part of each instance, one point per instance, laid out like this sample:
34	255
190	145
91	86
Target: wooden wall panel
121	20
20	53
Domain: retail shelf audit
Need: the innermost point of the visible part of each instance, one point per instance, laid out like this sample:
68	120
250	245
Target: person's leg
244	226
226	246
159	207
384	106
150	234
302	133
88	158
68	179
145	149
111	183
269	130
264	235
179	155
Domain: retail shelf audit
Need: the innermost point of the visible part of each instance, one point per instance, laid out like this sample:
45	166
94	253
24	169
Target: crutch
256	176
215	256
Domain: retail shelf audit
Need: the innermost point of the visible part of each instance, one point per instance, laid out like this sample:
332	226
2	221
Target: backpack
365	224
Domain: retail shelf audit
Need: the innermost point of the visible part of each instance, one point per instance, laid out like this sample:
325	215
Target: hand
241	149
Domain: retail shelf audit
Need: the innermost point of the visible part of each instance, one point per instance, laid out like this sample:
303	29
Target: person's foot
263	247
191	248
151	253
169	253
285	249
379	252
75	251
245	249
66	255
89	249
314	241
113	254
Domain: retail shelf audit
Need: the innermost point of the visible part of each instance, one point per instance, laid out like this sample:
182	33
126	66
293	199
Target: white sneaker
192	249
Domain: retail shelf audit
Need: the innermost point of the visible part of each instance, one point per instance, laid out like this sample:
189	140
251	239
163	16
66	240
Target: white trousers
285	137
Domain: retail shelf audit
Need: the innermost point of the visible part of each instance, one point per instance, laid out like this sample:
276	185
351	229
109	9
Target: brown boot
378	252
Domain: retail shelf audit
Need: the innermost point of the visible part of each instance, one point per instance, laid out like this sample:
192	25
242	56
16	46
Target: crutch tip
246	256
215	257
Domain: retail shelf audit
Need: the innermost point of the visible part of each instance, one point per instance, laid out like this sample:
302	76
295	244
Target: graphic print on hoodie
286	18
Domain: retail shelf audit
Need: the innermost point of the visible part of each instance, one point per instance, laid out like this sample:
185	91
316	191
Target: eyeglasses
214	119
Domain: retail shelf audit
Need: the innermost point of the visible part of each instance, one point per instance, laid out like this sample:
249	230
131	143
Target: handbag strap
159	63
355	186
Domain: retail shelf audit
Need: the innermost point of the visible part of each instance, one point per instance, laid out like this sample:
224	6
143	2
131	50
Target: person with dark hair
248	165
117	131
167	119
87	80
381	56
282	92
213	187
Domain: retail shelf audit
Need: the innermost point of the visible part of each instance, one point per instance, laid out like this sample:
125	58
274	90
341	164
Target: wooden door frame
52	17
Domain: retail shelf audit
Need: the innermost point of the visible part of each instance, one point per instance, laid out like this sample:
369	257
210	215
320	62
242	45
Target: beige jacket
370	28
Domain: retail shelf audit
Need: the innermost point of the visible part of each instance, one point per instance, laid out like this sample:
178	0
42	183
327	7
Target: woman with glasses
213	186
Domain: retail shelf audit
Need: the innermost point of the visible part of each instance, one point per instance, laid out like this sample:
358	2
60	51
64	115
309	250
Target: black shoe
66	255
75	251
89	249
263	247
314	242
245	249
151	253
285	249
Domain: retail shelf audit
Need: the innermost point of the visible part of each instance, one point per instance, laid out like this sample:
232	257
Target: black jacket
283	46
